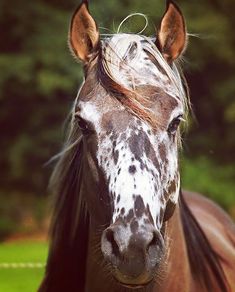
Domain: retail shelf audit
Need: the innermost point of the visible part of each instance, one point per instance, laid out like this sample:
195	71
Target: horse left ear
83	33
172	36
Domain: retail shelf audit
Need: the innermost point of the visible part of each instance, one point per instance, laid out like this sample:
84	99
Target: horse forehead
116	120
134	60
108	112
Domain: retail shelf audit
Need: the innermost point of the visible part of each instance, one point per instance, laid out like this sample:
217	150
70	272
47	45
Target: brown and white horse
120	219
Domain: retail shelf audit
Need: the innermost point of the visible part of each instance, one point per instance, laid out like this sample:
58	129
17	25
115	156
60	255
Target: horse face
135	170
133	164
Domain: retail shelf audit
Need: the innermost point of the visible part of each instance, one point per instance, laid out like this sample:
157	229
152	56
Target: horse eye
83	125
172	128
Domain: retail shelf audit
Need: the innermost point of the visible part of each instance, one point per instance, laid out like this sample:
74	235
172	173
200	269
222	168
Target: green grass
21	279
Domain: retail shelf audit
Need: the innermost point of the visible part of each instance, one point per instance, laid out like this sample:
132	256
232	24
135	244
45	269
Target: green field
21	279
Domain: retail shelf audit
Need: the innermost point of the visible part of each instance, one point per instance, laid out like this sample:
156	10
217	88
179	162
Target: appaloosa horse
120	219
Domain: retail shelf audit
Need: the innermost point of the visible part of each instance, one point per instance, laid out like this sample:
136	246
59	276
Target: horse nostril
153	242
111	240
154	249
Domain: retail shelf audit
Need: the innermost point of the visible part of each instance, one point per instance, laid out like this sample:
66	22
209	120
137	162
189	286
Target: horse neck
177	262
176	265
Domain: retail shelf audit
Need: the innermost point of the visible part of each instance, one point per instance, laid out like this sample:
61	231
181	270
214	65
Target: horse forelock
129	62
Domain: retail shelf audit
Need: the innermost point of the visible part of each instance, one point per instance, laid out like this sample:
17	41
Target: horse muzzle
134	256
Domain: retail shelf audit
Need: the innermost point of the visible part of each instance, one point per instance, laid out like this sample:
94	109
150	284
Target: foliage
208	178
24	214
39	80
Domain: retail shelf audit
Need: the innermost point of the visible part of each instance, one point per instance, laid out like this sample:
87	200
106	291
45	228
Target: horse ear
83	33
172	36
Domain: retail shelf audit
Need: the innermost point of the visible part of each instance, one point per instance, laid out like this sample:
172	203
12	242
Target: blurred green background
40	79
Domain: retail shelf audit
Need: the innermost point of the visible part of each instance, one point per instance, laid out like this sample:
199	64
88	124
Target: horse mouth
133	286
133	283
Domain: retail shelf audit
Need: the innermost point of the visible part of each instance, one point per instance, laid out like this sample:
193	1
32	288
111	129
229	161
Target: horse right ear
83	33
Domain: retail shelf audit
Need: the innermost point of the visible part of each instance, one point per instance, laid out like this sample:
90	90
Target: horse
121	221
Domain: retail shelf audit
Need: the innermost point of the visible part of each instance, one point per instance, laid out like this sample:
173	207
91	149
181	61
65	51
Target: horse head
129	109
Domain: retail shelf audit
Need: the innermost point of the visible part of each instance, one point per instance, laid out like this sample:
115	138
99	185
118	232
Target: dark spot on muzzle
139	206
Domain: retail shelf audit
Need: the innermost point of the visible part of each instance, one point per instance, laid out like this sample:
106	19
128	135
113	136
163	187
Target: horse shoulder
218	228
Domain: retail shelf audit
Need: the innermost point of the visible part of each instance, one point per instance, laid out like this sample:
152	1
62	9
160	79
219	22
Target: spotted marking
140	165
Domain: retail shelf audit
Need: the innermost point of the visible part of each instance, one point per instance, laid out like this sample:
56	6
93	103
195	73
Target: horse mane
205	263
66	264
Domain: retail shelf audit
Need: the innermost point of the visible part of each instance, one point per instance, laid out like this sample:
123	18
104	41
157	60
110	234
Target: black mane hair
205	263
66	264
